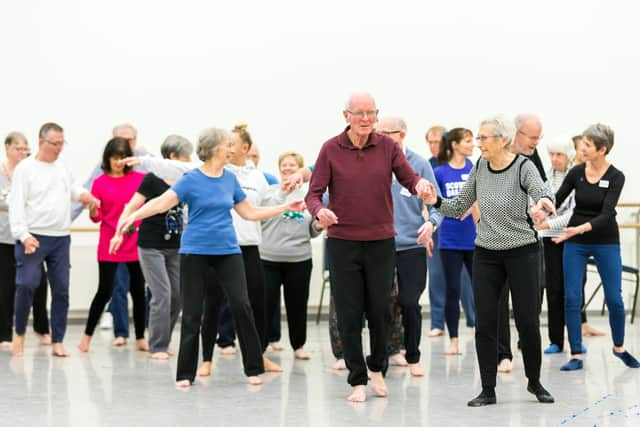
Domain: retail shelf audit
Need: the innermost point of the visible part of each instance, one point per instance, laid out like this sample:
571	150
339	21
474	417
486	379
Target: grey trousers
161	269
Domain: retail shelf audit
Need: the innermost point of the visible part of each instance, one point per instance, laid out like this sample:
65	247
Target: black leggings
8	292
107	273
295	278
452	263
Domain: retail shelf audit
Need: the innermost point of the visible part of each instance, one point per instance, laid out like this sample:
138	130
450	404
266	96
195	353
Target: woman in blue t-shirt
457	236
209	242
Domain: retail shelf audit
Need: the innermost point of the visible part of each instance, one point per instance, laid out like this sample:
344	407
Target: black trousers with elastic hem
554	284
361	281
411	267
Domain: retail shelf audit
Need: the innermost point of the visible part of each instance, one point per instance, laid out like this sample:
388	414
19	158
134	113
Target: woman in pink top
114	189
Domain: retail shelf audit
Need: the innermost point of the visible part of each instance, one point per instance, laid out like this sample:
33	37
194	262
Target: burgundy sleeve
403	170
320	179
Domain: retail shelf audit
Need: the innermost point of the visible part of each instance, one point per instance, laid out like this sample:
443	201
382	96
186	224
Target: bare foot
183	384
270	366
119	342
397	360
58	350
44	339
416	370
17	345
228	351
435	332
505	366
170	351
5	345
453	348
359	394
276	346
205	369
378	386
84	343
590	331
254	380
300	354
141	345
340	365
160	355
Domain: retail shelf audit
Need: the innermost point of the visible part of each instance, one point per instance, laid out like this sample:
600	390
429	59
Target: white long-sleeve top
40	199
564	212
255	186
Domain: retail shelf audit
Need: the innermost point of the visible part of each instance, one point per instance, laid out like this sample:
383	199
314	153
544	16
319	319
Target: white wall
286	68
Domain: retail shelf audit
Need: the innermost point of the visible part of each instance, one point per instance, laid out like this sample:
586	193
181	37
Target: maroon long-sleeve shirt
359	182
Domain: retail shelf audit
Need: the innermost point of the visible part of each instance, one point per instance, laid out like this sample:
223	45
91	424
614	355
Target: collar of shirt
345	142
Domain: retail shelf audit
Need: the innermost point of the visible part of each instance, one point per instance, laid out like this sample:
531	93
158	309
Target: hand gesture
124	224
425	234
115	243
131	161
326	218
296	206
547	205
426	191
568	233
292	182
30	245
89	201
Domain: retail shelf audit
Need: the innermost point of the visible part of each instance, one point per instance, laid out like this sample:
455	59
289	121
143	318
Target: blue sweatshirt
407	208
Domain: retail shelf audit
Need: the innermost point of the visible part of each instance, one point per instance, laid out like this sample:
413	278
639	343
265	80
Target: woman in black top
593	232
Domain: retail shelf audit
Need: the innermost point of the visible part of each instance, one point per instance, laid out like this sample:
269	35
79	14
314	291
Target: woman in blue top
209	241
457	236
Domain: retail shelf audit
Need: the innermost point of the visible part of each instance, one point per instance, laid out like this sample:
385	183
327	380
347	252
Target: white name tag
603	183
464	176
405	192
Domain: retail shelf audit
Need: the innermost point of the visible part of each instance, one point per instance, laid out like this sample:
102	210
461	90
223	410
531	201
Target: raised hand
292	182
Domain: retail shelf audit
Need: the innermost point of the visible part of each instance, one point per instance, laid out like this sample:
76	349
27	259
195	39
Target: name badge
405	192
603	183
464	176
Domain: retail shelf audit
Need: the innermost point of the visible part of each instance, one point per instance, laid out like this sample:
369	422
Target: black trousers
197	284
555	290
295	278
106	281
411	267
255	285
361	281
8	292
452	263
493	271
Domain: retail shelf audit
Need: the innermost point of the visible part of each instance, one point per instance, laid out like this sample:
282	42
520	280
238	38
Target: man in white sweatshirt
39	214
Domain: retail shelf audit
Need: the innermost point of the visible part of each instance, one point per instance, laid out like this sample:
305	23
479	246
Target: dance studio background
287	67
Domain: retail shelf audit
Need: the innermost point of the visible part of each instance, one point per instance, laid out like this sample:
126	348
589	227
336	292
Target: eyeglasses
56	144
21	149
363	114
389	132
483	138
532	138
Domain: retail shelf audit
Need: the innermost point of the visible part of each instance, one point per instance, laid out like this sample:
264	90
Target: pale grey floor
121	387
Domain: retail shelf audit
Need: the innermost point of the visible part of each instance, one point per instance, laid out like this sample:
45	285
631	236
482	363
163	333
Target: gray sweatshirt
287	237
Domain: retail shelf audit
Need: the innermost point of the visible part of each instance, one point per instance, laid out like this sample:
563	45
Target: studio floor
122	387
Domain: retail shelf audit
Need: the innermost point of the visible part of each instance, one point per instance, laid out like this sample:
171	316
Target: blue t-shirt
210	200
453	233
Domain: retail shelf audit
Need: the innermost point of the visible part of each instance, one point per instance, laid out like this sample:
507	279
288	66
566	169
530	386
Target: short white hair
502	126
562	144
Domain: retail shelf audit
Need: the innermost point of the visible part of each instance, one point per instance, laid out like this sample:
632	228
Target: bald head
394	127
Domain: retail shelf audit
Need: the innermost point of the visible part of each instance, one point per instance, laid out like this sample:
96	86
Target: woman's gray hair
209	141
564	145
177	145
502	126
14	138
601	136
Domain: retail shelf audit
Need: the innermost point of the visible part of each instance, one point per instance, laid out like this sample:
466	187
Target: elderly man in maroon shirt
356	166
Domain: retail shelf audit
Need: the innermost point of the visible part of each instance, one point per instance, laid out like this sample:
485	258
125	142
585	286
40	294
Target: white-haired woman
209	245
506	252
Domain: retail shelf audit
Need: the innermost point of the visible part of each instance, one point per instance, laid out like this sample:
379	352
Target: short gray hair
523	118
502	126
177	145
562	144
209	141
124	126
347	104
14	138
601	135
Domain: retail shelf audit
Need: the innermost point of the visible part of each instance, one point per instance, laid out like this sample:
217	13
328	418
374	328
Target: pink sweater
114	193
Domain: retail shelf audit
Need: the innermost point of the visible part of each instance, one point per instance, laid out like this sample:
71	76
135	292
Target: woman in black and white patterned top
507	250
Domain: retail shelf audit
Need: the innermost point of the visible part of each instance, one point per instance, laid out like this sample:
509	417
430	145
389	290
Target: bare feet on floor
270	366
84	343
142	345
44	339
119	342
435	332
590	331
228	351
5	345
454	349
205	369
183	384
505	366
254	380
276	346
300	354
160	355
397	360
17	345
416	369
58	350
359	394
340	365
378	386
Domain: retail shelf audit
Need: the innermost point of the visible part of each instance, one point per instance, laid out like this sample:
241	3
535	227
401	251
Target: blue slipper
553	348
627	358
572	365
583	349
